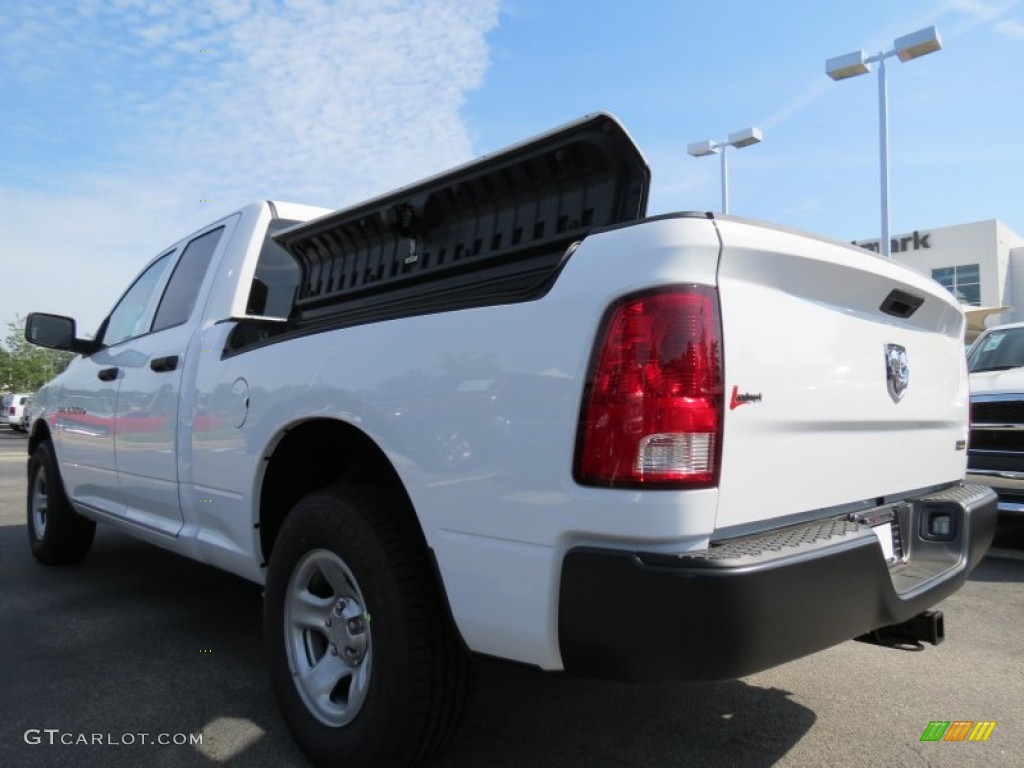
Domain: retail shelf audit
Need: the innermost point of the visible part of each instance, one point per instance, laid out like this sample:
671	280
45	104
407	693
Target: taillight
652	408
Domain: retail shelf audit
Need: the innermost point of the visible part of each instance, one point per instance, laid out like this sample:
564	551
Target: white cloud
1010	28
982	10
337	98
971	14
316	101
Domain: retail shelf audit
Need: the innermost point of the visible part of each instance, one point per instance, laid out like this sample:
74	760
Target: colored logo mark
958	730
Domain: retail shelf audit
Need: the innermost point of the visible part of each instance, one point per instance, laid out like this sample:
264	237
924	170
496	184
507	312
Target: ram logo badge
897	371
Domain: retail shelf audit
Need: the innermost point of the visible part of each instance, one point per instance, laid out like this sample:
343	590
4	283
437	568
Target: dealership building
982	264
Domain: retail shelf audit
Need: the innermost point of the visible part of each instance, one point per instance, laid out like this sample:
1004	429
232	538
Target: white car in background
14	411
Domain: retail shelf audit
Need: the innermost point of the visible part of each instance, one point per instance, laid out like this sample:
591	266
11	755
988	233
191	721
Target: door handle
107	374
164	364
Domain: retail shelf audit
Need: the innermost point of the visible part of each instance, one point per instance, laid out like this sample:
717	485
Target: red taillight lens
652	409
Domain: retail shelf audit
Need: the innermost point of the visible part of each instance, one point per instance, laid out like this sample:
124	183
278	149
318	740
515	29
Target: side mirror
56	332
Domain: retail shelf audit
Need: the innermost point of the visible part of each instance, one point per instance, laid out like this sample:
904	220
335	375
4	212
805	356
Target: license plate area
886	524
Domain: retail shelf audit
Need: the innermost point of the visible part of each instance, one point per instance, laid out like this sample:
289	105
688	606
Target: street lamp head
916	44
848	65
745	138
702	148
908	47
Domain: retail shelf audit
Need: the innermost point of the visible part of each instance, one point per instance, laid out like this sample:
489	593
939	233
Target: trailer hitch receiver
927	626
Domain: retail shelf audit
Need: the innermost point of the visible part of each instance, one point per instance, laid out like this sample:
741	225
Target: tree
25	367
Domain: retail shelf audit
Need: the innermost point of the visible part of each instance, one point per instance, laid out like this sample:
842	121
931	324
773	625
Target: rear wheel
56	533
367	667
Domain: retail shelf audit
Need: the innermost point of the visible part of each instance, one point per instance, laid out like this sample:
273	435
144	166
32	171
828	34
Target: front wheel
366	665
56	533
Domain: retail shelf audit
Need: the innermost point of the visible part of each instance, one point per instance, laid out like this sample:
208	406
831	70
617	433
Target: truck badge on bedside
897	371
747	397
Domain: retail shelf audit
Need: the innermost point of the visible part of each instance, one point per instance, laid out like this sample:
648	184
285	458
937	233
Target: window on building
964	282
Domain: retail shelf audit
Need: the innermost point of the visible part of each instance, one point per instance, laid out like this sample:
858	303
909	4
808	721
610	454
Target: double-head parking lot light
907	47
739	139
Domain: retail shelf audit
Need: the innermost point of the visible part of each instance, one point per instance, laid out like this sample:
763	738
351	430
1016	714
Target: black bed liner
495	230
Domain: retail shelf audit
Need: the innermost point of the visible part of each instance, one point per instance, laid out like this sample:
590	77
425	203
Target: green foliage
25	367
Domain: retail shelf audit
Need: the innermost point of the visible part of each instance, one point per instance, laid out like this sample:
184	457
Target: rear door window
179	297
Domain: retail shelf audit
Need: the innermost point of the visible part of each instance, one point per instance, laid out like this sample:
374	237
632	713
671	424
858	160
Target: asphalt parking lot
138	641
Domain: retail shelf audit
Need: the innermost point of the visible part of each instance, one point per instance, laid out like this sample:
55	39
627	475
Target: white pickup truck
500	411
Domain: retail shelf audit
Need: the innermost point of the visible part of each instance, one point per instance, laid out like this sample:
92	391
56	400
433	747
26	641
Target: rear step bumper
755	602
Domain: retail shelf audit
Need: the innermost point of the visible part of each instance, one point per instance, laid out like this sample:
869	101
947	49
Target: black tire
56	533
396	675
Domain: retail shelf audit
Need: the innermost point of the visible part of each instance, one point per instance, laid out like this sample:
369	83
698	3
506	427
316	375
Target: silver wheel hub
328	638
346	630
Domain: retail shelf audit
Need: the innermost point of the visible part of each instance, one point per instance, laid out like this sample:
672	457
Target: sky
127	124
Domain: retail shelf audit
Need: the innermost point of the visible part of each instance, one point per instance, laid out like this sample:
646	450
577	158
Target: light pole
908	47
739	139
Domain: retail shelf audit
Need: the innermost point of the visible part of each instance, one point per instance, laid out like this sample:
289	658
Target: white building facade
981	263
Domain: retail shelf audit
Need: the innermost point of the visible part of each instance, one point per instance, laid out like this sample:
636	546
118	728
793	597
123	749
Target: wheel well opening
310	456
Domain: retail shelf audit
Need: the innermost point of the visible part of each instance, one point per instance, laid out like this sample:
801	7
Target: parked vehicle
996	454
15	411
500	411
